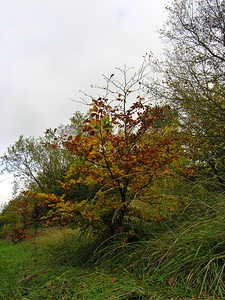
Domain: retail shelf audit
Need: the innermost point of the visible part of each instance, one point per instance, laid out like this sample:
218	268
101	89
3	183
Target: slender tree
194	80
37	163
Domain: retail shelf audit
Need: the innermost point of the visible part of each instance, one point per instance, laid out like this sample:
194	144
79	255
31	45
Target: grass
13	262
183	257
37	270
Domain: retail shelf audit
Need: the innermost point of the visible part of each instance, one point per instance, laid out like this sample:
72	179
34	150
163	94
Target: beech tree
126	143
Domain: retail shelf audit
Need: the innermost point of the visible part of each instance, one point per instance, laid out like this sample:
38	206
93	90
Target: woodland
127	200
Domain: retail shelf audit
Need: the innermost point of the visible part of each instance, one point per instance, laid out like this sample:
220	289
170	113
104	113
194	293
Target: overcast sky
52	49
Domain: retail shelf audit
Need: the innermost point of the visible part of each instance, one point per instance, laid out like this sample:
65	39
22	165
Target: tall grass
57	270
189	255
65	246
183	257
184	253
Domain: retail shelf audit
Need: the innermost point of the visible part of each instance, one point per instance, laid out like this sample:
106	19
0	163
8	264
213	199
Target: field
65	264
36	270
180	257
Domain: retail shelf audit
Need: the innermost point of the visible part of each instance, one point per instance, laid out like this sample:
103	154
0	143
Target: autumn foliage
122	148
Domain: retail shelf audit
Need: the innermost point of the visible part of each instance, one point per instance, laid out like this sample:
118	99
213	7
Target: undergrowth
181	257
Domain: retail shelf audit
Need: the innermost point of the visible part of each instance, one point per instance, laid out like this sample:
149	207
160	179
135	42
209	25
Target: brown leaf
114	279
170	281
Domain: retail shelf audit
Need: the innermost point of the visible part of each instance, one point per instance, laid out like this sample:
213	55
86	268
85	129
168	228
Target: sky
51	50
